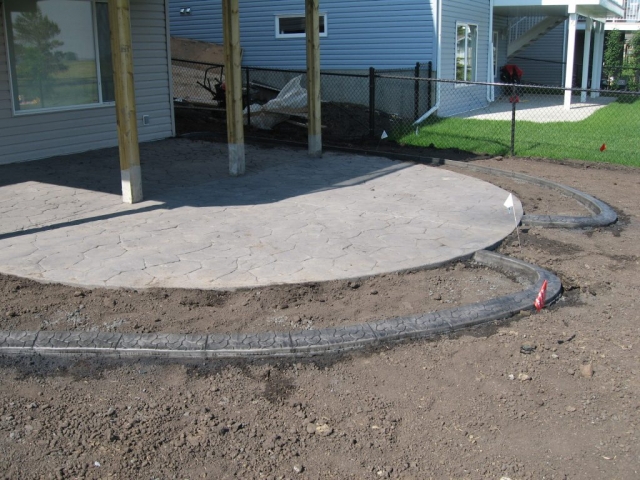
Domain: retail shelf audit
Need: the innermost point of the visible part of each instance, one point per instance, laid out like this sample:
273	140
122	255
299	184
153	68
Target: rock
586	370
311	428
570	409
571	371
511	377
374	292
298	468
324	430
527	348
523	377
437	296
110	412
78	293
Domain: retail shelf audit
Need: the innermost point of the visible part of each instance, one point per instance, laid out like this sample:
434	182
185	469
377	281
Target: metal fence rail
411	108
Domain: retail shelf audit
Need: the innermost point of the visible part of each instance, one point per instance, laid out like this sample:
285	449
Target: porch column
585	58
233	82
598	47
122	53
571	48
312	28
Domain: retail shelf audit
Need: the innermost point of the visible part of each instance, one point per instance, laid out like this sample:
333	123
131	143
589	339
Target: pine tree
35	45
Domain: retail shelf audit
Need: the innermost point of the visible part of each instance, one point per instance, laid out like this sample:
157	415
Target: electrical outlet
146	120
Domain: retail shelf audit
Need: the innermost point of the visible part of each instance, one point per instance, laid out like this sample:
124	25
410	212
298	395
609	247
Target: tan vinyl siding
41	135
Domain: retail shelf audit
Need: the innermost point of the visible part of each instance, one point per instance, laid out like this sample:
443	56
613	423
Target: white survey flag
509	201
384	135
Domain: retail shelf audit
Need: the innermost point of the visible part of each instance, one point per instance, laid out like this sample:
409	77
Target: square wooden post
122	53
571	51
233	82
312	29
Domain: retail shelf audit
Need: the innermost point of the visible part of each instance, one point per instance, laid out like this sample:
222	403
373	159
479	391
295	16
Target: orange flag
542	294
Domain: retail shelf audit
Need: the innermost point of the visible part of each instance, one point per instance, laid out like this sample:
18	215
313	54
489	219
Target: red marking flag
603	147
542	294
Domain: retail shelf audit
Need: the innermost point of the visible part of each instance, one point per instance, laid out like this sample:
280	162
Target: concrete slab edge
298	343
602	214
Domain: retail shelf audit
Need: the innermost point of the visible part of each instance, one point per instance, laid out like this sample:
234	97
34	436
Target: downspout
438	66
490	77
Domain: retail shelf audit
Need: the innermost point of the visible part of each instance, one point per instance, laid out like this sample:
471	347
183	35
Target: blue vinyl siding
541	61
41	135
361	34
457	99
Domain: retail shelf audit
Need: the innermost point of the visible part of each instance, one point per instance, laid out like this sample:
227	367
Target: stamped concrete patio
290	219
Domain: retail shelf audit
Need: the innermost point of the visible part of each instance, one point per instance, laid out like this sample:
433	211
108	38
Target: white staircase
524	31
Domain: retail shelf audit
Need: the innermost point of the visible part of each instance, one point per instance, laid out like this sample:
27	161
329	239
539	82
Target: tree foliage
634	44
613	53
36	49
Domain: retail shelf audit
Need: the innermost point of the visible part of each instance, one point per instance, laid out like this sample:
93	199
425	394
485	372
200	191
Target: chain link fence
376	109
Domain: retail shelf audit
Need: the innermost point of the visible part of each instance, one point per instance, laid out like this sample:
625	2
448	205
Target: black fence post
248	97
372	102
514	99
416	92
429	75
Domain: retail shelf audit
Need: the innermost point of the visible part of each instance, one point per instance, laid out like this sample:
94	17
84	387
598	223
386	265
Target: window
293	26
59	54
466	51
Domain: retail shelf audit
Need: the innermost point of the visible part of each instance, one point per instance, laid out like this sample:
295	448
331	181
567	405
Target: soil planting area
550	395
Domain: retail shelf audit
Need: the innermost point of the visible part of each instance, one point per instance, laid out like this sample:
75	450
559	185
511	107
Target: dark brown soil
470	406
29	305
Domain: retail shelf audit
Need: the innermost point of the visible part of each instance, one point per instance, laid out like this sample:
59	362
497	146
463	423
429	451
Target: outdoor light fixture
185	11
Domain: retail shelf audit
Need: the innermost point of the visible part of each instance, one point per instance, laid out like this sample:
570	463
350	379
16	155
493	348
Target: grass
616	125
77	85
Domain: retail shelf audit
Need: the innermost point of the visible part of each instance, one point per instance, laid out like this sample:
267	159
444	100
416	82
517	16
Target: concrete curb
603	214
300	343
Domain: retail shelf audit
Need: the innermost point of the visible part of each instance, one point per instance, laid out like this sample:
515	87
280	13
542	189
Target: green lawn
616	125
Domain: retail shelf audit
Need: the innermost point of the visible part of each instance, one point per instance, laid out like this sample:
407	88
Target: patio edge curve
603	214
301	343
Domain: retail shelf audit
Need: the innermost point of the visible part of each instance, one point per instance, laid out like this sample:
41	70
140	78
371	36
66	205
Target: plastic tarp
292	100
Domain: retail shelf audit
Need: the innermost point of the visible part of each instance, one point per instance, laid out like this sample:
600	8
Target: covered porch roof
596	9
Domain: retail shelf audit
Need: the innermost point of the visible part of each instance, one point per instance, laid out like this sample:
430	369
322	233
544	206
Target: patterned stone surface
290	219
305	342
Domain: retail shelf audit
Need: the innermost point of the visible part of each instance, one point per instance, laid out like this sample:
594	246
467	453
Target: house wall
501	25
361	33
40	135
462	98
541	61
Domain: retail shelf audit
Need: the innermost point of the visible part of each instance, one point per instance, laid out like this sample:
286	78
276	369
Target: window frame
468	25
279	35
10	67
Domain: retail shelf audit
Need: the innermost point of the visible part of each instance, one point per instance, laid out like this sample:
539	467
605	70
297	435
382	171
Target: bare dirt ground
467	406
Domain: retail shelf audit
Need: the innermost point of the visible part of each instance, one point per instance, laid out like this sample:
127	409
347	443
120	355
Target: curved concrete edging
603	214
306	342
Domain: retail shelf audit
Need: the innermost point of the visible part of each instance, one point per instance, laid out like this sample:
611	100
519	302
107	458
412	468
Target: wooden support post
571	50
586	54
312	29
233	82
122	54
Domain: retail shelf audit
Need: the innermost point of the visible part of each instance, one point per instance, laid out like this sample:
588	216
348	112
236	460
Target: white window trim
278	16
86	106
455	58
